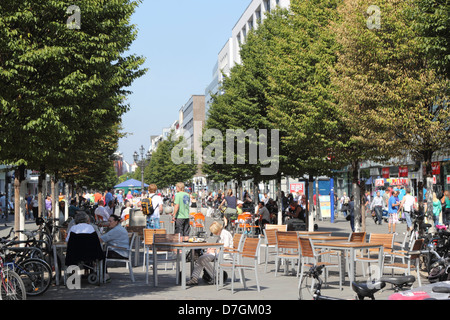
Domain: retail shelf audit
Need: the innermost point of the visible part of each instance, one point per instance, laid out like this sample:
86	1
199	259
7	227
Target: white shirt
408	204
156	201
227	239
80	228
101	211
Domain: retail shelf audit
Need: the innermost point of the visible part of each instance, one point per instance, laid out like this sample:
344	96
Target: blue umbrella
132	183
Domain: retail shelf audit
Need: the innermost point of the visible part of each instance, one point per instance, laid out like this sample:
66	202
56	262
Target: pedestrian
437	210
344	204
393	205
3	206
180	214
377	206
35	207
48	206
446	210
407	204
230	203
157	204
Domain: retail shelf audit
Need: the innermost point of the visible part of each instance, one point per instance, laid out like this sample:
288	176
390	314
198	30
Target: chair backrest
237	240
306	247
357	237
250	247
387	239
132	237
148	235
279	227
287	240
270	236
199	220
83	247
417	245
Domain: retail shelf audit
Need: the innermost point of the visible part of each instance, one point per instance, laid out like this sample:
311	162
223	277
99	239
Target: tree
62	86
163	171
390	101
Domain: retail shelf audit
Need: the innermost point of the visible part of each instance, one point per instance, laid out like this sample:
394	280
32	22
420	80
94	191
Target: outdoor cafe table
325	238
184	247
314	233
352	247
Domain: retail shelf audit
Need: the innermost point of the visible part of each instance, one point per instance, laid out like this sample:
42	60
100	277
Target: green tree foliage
59	87
163	170
390	100
431	21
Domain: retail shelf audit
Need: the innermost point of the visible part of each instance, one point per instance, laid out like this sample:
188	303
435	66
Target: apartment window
267	5
258	15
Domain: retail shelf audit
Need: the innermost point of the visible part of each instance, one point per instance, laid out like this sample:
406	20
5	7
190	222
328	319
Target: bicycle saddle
399	281
367	290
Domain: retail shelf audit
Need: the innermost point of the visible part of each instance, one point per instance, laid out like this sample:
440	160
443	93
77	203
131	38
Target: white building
229	55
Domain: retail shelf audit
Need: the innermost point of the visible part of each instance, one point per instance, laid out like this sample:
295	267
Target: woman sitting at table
117	236
204	261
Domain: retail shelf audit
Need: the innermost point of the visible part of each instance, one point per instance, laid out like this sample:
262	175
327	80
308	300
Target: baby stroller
85	250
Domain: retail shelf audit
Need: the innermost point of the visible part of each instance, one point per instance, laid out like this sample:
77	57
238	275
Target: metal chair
310	257
287	249
411	260
127	259
250	251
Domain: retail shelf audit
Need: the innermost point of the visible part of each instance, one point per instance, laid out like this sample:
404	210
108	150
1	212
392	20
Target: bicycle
35	273
312	291
366	289
11	286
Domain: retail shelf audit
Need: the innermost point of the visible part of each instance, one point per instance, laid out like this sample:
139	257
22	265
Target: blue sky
180	40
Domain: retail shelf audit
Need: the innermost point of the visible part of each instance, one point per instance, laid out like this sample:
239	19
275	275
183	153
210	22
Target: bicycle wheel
306	289
36	275
217	214
12	286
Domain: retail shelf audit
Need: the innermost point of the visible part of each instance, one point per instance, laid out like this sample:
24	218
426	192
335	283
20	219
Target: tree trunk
19	210
429	186
310	212
356	195
318	212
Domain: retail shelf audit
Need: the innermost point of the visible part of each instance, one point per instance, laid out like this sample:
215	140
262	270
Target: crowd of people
396	205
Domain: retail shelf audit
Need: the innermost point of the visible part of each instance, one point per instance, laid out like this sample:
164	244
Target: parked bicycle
311	285
35	273
11	286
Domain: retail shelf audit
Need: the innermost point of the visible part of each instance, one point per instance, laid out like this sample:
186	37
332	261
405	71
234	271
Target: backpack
147	206
346	200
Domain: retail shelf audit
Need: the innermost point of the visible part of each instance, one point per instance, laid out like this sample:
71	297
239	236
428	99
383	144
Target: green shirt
182	199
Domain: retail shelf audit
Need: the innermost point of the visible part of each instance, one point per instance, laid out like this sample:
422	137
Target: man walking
377	206
181	211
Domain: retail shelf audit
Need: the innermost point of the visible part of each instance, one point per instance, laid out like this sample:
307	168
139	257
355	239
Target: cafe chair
148	245
250	250
411	260
287	249
311	257
372	255
268	242
164	238
224	264
85	250
127	260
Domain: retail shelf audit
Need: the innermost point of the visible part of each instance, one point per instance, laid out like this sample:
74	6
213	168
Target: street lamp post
142	162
